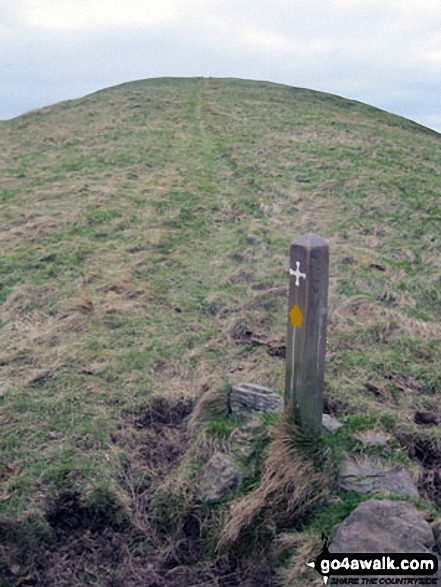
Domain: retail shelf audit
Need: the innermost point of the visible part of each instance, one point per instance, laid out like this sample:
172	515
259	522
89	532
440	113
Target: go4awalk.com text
384	581
376	569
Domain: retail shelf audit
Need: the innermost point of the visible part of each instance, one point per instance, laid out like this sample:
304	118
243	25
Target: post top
310	240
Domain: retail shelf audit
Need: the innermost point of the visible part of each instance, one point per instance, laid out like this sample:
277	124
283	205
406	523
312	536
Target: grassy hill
144	234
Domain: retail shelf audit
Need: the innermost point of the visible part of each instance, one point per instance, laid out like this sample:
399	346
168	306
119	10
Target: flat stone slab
218	477
368	474
330	424
248	399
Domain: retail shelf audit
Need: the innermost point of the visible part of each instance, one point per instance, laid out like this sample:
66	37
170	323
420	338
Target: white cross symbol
297	273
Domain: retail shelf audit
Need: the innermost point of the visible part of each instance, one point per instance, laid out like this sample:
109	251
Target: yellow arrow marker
296	316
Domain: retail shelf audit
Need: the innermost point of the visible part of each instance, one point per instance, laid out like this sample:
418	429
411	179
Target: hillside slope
144	248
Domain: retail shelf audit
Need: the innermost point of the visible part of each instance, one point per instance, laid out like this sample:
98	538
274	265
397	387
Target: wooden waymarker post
306	339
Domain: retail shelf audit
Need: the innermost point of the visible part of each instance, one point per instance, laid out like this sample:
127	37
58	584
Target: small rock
248	399
372	438
330	424
219	476
366	475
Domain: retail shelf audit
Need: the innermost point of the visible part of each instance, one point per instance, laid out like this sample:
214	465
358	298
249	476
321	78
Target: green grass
142	224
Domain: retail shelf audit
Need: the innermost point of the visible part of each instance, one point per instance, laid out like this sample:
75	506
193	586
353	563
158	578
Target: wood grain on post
306	339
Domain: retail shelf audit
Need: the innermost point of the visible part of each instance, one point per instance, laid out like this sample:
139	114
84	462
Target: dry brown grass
361	312
291	486
305	546
29	229
211	404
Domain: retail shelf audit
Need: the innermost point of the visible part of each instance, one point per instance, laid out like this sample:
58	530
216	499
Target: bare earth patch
99	543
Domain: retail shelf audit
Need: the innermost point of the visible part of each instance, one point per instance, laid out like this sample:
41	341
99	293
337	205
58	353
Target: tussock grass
291	486
305	546
177	496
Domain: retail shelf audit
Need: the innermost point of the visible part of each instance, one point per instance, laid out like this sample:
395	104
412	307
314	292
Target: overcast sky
383	52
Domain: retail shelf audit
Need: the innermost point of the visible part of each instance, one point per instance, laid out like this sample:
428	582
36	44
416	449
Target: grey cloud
371	55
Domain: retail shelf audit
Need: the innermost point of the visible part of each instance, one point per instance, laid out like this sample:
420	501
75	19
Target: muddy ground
427	453
98	546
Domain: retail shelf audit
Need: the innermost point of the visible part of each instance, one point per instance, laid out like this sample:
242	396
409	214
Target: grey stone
218	477
383	526
366	475
372	438
242	441
247	399
330	424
